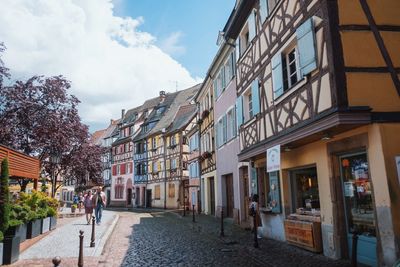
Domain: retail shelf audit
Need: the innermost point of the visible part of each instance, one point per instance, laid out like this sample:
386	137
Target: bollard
193	214
56	261
255	229
354	250
184	208
222	223
80	259
92	244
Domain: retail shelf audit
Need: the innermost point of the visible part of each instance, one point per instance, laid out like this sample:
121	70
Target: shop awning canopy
20	165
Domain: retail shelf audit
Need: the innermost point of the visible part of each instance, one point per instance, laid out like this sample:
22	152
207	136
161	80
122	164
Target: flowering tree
41	119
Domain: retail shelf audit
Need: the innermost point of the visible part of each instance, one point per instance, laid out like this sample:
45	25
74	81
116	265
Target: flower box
45	225
19	230
34	228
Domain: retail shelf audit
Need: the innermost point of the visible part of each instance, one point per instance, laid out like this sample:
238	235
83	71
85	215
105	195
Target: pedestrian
88	206
80	201
99	202
255	212
75	200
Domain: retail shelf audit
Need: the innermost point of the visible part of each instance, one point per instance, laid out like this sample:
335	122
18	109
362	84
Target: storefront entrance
229	195
359	206
212	196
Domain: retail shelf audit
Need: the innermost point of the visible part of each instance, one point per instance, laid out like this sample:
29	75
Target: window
129	167
173	163
171	190
119	188
126	147
155	167
154	142
248	105
291	72
118	169
194	169
194	142
231	124
157	192
305	189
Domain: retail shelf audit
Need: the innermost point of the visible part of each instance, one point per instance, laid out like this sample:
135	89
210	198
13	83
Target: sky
116	53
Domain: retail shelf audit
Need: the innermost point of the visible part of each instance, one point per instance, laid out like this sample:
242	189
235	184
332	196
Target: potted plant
73	208
34	225
18	221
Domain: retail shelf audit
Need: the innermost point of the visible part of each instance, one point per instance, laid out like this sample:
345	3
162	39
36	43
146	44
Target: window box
206	155
205	114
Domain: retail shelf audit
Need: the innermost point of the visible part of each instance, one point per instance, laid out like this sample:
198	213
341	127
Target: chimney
122	113
162	95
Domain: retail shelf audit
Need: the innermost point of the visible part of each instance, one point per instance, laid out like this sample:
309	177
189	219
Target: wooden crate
304	234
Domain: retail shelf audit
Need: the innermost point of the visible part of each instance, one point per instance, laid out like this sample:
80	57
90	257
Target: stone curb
103	240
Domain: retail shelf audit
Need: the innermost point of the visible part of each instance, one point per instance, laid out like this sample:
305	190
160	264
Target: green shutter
274	195
239	111
237	48
255	97
277	75
263	9
306	45
254	181
251	21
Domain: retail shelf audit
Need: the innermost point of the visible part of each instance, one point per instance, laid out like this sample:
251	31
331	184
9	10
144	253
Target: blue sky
188	29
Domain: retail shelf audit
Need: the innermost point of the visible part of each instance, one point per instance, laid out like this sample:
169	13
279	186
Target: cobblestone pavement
166	239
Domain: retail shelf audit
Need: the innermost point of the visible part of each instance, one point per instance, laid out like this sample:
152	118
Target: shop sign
193	198
348	189
274	158
398	167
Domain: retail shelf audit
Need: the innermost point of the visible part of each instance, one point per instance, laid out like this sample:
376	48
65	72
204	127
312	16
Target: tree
4	196
3	70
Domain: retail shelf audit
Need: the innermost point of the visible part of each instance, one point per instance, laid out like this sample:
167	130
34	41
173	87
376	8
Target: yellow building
319	118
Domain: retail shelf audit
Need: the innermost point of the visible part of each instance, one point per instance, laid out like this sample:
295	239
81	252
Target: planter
11	249
45	225
73	208
53	223
19	230
1	253
34	228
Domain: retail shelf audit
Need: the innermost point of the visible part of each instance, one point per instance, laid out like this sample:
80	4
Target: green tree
4	196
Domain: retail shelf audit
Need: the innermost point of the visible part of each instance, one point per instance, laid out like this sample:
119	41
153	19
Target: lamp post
54	160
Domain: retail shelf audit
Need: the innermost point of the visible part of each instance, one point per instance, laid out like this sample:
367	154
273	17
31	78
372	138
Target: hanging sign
274	158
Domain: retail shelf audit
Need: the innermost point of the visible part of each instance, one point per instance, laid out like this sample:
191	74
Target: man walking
99	202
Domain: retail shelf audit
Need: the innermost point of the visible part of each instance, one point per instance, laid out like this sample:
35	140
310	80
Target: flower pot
11	249
53	222
45	225
34	228
19	230
1	253
73	209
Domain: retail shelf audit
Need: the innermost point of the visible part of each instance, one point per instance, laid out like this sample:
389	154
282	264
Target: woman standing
88	206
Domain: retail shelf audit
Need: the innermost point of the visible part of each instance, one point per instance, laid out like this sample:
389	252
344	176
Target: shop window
305	194
157	192
171	190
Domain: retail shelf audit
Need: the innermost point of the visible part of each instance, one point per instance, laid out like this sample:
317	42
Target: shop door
359	206
137	196
212	196
229	195
129	196
148	198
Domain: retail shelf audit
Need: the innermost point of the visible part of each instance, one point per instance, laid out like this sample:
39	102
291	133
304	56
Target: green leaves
4	196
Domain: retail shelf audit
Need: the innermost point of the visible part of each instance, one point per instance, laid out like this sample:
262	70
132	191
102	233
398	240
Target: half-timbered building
193	163
318	110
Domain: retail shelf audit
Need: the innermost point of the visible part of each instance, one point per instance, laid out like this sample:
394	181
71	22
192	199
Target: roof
111	128
97	136
20	165
183	98
182	118
130	115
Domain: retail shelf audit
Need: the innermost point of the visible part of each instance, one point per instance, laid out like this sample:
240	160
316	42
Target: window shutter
131	167
306	45
239	111
176	139
237	48
225	129
178	163
274	195
277	75
255	97
114	170
150	167
254	181
263	9
168	164
150	144
251	22
159	166
122	168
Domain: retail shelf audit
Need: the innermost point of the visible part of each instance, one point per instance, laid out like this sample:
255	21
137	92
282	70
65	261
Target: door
229	195
129	197
359	206
212	196
137	196
148	198
108	197
245	180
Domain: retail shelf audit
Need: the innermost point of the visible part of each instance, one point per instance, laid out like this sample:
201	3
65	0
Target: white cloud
171	44
111	63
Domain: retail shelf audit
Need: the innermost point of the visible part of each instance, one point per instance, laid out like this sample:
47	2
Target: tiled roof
184	115
97	136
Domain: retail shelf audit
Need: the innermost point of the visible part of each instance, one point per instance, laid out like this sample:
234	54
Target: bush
51	212
38	205
15	222
1	236
4	197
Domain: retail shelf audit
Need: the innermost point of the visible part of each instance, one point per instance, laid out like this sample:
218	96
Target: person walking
99	202
88	206
80	201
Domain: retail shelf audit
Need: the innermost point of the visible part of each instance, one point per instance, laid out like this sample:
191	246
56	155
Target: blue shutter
239	111
251	22
254	182
274	195
263	9
237	48
255	97
306	45
225	129
215	88
277	75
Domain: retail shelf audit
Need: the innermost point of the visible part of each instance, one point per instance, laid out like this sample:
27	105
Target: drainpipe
199	157
165	168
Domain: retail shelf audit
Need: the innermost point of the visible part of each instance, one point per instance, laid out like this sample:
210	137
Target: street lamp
54	160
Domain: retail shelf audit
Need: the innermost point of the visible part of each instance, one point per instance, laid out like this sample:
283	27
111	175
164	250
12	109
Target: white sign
348	189
274	158
398	167
193	198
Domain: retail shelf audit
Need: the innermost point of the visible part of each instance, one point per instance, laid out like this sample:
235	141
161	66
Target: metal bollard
255	230
222	223
92	243
80	259
56	261
354	250
193	214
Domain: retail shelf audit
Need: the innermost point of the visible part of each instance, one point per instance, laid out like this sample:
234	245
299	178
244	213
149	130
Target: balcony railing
140	156
140	178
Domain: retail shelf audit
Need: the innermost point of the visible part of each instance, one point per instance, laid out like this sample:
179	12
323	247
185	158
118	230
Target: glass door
359	206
